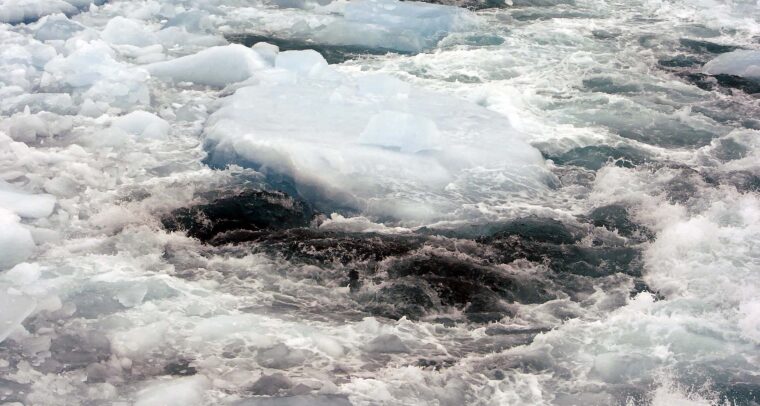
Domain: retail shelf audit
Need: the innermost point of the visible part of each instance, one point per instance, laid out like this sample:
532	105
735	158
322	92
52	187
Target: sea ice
373	24
123	31
14	308
27	127
92	71
25	11
372	143
56	27
143	124
744	63
217	66
24	204
187	391
16	242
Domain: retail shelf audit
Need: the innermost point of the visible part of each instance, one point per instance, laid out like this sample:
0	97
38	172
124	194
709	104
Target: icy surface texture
547	203
742	63
27	11
218	66
406	27
373	144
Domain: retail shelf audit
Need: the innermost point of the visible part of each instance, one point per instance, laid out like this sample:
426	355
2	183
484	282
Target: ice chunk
16	243
192	21
124	31
53	102
56	27
387	343
143	124
403	26
22	274
26	11
744	63
306	62
280	357
267	51
407	153
185	391
24	204
217	66
27	127
367	26
133	295
139	341
14	308
92	71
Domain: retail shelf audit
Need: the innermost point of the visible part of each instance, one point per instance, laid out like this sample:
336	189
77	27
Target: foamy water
379	203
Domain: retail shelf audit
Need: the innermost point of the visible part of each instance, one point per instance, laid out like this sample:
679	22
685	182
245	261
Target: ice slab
217	66
744	63
56	27
92	72
25	204
389	25
186	391
27	11
143	124
372	144
14	308
125	31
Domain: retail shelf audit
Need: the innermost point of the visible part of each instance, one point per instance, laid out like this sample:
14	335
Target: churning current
379	202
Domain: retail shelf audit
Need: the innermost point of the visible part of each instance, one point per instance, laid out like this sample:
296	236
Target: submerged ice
549	203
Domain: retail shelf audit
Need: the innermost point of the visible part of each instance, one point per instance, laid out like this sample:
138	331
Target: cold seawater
372	202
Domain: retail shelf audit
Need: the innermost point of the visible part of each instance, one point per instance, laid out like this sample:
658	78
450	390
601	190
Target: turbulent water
372	202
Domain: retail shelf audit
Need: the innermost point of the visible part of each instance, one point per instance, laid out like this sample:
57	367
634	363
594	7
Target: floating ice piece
56	27
16	242
744	63
404	26
124	31
14	308
92	71
139	341
186	391
143	124
25	204
374	145
22	274
217	66
26	11
387	343
375	25
306	62
27	127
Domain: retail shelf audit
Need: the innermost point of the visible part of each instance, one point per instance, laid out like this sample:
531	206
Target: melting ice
486	203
